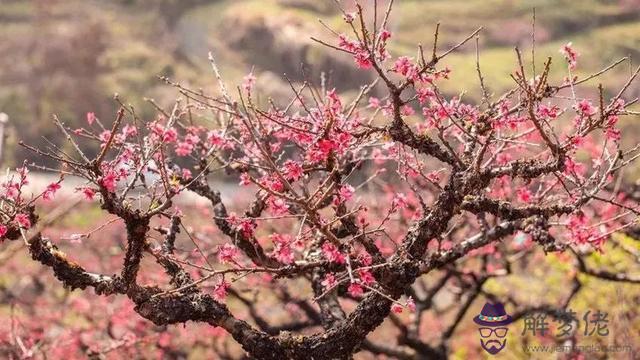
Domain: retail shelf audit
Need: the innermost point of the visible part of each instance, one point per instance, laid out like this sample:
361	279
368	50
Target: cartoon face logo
493	321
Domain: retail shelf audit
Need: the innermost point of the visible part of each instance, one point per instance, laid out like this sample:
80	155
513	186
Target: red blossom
220	290
397	308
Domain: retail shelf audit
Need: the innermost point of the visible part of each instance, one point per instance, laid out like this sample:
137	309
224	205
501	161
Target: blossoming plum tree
355	203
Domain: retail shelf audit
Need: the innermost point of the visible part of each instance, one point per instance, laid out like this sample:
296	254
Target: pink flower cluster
570	55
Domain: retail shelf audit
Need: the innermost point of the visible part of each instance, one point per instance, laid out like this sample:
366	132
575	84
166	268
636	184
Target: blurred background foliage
70	57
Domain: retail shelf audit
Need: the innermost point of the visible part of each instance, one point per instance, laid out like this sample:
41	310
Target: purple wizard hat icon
493	320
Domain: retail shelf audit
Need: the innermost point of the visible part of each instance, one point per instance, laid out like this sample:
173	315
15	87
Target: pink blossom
109	181
332	253
321	150
345	193
192	139
385	35
227	253
11	190
282	248
434	177
284	254
550	112
273	183
613	134
23	171
402	65
524	195
612	120
23	220
245	179
342	140
326	145
215	138
571	167
91	117
365	259
279	206
248	81
355	290
47	196
585	108
88	193
374	103
246	227
3	230
366	276
169	135
425	94
503	158
577	141
349	17
411	304
400	201
334	101
362	60
50	191
580	232
105	136
184	148
129	130
570	55
329	281
347	44
293	170
407	110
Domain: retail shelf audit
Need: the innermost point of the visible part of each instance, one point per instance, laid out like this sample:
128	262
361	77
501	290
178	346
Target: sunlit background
70	57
